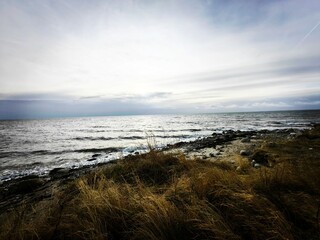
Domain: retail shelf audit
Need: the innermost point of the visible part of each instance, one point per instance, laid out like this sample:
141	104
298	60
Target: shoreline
248	185
225	146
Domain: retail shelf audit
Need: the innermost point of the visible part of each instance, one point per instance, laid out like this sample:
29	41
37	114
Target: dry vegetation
165	196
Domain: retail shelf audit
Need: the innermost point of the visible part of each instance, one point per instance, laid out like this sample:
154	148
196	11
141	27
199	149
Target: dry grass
164	196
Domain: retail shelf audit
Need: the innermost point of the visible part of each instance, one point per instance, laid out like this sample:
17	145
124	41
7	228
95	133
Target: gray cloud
182	56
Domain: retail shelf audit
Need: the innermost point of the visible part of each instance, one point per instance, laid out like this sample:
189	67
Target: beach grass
164	196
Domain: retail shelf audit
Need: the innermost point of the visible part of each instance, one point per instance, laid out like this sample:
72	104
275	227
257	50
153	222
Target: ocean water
38	146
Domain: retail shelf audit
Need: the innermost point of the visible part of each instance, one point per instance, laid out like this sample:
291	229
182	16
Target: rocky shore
231	185
231	146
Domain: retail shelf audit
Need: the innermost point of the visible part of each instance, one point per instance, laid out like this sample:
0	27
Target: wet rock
26	186
58	172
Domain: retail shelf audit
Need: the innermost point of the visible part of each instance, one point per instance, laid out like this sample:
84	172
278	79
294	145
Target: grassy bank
165	196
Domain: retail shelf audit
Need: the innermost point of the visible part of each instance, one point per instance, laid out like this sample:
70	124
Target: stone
58	172
246	140
271	144
26	186
261	157
91	159
244	153
96	155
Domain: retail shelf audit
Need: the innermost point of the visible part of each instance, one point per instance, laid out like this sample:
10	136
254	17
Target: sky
107	57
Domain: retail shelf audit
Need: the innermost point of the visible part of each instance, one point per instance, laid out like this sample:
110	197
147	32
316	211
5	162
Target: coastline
238	152
225	147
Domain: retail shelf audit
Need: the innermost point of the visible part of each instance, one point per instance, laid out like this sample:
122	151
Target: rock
255	164
238	169
204	157
271	144
96	155
219	147
211	155
261	157
136	153
58	172
91	159
244	153
26	186
246	140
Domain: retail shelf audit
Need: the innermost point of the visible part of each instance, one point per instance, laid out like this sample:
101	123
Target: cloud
178	55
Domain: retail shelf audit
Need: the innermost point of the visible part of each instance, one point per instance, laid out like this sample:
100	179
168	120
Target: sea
29	147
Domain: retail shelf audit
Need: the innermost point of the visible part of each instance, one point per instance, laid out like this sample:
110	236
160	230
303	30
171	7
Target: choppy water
37	146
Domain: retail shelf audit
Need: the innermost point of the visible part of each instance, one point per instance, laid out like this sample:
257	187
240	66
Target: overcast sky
97	57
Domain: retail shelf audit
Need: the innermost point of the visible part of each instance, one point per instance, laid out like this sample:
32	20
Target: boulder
261	157
246	140
58	172
244	153
26	186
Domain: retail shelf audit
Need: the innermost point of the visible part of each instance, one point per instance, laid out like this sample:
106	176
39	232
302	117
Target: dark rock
55	171
211	154
245	140
96	155
271	144
136	153
91	159
261	157
26	186
244	153
58	172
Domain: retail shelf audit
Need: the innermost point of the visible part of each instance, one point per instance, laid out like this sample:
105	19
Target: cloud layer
162	55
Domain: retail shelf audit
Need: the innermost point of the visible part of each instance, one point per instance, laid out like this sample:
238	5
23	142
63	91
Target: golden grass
164	196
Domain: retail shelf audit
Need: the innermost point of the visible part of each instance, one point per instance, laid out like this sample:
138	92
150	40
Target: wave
94	150
47	152
132	138
93	138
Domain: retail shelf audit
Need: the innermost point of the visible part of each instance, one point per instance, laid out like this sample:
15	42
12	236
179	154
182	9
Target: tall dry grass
164	196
